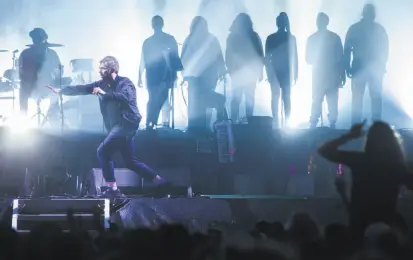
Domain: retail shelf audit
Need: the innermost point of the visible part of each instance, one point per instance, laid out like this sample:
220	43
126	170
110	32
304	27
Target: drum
66	81
82	65
5	86
10	74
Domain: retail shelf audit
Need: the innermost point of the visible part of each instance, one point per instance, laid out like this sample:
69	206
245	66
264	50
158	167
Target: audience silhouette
377	173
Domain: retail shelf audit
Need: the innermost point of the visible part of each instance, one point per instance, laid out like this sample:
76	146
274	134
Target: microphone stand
62	115
13	79
225	88
173	106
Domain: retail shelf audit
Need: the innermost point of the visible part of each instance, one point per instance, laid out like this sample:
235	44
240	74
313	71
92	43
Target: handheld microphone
100	95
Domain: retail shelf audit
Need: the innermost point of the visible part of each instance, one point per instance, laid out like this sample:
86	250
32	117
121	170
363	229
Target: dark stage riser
267	161
94	214
242	212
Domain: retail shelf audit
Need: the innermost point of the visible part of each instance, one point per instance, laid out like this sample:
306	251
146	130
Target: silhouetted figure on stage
204	64
117	100
377	174
160	61
324	51
366	51
281	63
38	66
244	59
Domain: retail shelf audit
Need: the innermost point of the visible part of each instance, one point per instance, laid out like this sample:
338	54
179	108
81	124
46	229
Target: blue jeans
121	138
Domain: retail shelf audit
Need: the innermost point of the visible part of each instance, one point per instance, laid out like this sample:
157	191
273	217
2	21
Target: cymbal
82	65
51	45
4	50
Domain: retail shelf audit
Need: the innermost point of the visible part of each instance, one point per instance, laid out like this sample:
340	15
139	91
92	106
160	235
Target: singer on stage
117	100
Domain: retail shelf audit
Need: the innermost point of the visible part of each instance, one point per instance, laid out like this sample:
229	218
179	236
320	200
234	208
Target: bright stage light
133	25
18	124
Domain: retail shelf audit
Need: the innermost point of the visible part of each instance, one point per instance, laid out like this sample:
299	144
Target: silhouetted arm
184	54
260	51
79	89
385	46
174	53
309	51
57	60
295	59
184	50
142	64
219	58
228	54
348	49
21	64
339	52
267	59
56	64
330	151
267	49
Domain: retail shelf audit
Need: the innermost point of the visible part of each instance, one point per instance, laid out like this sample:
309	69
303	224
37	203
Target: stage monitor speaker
29	213
127	180
260	121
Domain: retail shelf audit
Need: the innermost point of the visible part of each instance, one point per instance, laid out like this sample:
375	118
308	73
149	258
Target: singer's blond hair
110	63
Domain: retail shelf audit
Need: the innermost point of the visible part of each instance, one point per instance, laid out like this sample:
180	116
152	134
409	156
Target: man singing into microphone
117	100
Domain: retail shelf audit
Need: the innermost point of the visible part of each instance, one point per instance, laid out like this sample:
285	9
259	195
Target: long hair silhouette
199	25
382	143
283	22
242	24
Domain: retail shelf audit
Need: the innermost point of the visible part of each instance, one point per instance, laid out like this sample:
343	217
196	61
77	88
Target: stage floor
241	211
271	162
198	213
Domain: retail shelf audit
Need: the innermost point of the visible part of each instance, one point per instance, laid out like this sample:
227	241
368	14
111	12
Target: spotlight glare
18	124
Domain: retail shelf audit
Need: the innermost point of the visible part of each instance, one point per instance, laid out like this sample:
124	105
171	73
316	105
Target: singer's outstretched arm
79	89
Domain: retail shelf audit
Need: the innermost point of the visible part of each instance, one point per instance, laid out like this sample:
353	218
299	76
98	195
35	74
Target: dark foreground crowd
300	239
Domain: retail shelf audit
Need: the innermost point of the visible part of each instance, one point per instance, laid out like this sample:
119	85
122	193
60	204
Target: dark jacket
124	93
